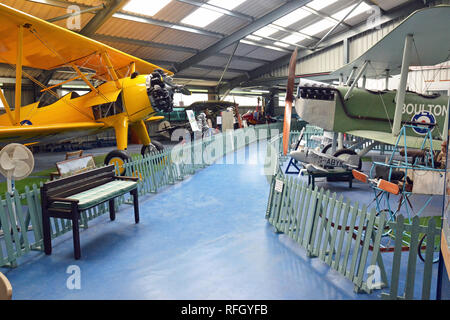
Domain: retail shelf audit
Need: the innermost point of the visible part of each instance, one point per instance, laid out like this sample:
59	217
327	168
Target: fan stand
11	188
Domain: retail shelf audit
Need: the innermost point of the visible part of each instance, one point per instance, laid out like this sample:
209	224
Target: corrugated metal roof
130	29
161	54
36	9
184	39
176	11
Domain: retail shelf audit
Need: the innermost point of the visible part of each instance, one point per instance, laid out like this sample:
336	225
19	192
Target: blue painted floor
204	238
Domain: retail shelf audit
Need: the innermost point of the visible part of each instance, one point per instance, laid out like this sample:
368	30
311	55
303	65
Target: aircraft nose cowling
317	109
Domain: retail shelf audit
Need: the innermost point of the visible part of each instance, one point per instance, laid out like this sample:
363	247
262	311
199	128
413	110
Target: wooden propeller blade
289	101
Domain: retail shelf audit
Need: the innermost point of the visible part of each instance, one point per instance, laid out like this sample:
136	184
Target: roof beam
102	16
143	43
78	13
243	32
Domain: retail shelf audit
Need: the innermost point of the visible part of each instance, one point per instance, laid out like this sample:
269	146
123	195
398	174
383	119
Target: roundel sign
423	117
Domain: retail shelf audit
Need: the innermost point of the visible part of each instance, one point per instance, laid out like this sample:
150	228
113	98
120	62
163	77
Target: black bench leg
134	193
76	234
112	210
46	233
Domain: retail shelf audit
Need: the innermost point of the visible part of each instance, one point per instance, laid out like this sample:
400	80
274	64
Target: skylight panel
253	37
149	8
318	27
249	42
281	44
274	48
204	16
266	31
292	17
201	17
320	4
363	7
293	38
226	4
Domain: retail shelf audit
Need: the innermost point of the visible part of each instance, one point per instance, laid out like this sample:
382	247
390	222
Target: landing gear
118	158
344	153
327	149
154	146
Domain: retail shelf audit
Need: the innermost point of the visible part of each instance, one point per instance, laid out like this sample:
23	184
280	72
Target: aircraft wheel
327	149
118	158
154	146
344	153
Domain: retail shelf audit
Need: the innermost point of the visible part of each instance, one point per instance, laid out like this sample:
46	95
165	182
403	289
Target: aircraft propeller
288	102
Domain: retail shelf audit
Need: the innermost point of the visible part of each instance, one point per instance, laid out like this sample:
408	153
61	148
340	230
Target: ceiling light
145	7
292	17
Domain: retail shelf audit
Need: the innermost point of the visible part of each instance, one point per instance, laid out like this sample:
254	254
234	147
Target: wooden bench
341	175
66	197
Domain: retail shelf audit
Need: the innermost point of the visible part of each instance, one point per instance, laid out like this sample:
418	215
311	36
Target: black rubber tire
349	152
158	145
419	251
326	148
117	154
154	146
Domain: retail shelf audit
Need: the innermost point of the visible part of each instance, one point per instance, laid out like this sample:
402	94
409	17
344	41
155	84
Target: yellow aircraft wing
26	132
388	138
48	46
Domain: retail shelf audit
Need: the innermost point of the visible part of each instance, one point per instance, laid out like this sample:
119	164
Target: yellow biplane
131	90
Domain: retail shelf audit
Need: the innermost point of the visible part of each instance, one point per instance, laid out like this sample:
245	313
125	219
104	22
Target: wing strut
8	109
400	99
111	70
360	73
18	100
